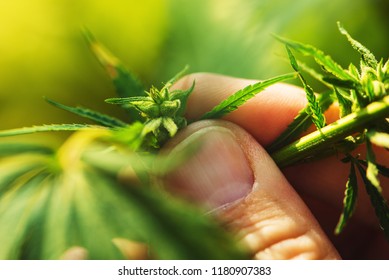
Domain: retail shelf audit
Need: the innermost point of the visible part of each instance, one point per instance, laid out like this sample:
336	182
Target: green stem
325	138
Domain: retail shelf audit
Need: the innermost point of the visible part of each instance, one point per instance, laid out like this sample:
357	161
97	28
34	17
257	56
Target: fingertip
258	205
264	116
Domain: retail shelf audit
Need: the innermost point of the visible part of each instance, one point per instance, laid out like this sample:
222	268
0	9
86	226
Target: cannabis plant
99	186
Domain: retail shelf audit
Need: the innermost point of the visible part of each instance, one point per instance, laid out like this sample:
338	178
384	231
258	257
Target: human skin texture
278	214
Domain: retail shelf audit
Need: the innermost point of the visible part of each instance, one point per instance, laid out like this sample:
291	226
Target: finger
265	116
233	174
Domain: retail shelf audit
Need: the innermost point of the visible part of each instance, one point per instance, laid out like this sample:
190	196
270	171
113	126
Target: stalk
326	137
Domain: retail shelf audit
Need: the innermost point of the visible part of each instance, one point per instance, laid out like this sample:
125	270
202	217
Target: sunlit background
42	51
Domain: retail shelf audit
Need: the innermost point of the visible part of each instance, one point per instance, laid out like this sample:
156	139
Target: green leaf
130	135
175	78
125	82
240	97
379	138
372	170
313	105
128	100
367	55
314	108
47	128
324	60
12	148
346	84
345	103
170	126
44	210
300	124
312	72
378	201
292	59
183	96
95	116
349	201
151	126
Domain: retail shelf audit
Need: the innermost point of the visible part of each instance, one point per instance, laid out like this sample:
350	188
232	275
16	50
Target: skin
290	213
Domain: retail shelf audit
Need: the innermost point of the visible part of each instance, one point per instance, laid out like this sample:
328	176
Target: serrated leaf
380	139
367	55
378	202
313	105
128	100
240	97
345	103
47	210
47	128
299	124
347	84
372	170
95	116
125	82
324	60
349	201
314	109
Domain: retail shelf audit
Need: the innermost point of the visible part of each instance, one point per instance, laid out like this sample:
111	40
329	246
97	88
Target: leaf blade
47	128
126	84
372	170
314	108
367	55
349	201
380	139
324	60
299	124
95	116
378	201
240	97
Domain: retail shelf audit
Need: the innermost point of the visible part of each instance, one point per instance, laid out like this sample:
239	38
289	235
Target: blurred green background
42	51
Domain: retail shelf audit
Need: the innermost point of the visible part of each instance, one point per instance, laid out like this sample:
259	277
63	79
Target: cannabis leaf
50	206
46	128
367	55
378	201
125	82
300	123
323	60
314	109
350	199
95	116
364	110
240	97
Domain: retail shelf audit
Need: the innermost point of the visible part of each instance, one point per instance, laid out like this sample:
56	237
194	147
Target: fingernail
217	174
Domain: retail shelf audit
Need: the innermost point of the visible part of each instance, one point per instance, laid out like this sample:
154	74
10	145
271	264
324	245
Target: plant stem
325	138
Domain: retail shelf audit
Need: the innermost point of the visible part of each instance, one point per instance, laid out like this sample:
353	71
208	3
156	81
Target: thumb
234	177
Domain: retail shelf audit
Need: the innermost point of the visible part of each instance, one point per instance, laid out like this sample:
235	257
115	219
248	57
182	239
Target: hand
288	214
